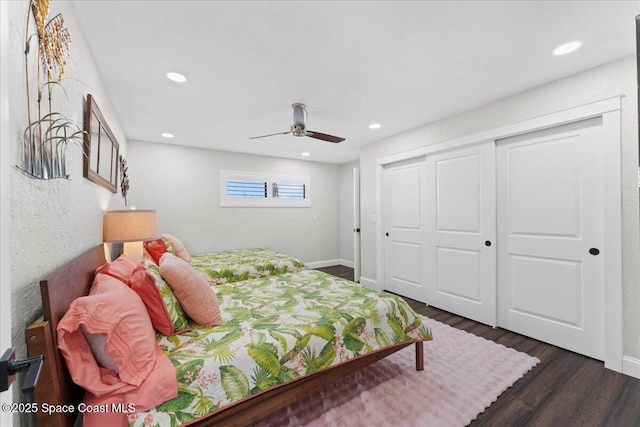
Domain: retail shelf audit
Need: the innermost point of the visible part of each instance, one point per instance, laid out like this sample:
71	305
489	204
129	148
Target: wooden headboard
58	291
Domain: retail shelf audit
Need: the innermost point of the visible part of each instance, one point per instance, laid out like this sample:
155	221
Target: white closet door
550	225
404	228
460	238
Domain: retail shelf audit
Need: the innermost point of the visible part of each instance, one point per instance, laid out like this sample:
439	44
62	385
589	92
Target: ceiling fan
299	127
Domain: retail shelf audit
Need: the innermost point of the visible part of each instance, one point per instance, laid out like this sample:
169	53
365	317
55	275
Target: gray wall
182	184
613	79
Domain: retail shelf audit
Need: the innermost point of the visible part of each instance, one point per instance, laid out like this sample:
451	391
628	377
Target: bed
243	264
301	372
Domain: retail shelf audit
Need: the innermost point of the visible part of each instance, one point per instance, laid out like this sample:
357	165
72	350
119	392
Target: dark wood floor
565	389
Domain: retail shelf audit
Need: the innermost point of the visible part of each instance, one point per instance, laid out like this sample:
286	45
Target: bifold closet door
460	242
404	185
550	225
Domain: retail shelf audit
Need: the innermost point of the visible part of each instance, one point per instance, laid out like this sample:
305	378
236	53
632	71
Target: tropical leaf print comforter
276	329
243	264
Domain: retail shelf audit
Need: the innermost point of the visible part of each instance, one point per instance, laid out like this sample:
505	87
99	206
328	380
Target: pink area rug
464	374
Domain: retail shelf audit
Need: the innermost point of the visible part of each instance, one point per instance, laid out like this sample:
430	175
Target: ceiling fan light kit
298	128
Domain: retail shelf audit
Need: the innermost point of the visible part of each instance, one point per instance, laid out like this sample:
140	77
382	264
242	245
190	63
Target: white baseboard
631	366
320	264
371	283
346	263
329	263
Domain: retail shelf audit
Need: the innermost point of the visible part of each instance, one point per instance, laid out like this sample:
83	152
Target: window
248	189
288	191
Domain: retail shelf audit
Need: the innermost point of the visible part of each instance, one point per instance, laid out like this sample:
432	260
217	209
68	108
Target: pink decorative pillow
118	315
178	248
194	294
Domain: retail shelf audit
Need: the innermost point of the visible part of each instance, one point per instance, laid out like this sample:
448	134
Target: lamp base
133	251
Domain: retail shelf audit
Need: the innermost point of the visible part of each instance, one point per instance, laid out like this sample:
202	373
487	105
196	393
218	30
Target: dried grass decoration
45	139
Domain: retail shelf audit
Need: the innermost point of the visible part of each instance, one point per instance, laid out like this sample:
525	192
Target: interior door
460	232
356	224
550	228
404	228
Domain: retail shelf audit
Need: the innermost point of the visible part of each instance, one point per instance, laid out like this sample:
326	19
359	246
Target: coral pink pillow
160	386
118	315
144	285
121	268
178	248
178	318
155	248
196	297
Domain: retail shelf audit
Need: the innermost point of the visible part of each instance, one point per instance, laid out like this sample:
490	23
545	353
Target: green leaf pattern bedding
243	264
276	329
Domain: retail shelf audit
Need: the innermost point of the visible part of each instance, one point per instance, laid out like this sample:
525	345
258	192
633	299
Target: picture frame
101	149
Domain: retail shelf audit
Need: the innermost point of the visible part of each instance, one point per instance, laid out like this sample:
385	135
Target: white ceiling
402	64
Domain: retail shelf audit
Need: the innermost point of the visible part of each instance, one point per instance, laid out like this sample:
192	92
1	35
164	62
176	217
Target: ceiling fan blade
271	134
324	136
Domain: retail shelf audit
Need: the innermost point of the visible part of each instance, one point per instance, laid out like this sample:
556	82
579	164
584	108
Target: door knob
487	243
386	234
594	251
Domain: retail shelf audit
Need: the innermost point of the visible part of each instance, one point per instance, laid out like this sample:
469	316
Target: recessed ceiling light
305	154
375	126
567	48
167	135
176	77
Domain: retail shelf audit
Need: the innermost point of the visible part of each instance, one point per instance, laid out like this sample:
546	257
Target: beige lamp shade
130	226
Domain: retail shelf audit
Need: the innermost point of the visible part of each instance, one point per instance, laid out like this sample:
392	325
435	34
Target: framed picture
101	149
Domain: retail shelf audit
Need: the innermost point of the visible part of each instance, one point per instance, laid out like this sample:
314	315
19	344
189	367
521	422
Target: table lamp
130	227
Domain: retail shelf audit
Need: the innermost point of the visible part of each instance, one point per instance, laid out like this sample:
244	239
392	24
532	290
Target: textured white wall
616	78
182	184
346	210
6	417
51	221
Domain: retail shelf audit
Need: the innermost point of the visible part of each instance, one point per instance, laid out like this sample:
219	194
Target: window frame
269	179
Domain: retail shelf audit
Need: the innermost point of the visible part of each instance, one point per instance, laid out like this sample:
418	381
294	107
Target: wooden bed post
420	356
51	389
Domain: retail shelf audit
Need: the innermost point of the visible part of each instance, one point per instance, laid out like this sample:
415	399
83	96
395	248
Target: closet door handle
487	243
386	234
594	251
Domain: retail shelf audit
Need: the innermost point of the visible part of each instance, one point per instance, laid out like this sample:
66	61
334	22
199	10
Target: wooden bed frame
55	386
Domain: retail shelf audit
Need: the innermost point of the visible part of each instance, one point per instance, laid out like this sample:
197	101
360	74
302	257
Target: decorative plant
46	137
